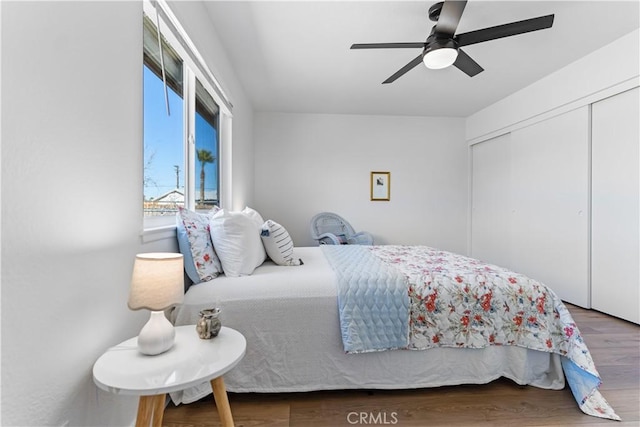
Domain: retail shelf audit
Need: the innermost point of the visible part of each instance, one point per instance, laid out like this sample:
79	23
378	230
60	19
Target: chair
331	229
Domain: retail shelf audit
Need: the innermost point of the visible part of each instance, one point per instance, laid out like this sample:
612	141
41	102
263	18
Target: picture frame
381	186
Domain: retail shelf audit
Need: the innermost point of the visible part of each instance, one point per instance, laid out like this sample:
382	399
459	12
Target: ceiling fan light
438	58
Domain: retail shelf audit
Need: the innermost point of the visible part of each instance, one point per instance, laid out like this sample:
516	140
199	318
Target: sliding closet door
615	249
550	205
530	194
490	193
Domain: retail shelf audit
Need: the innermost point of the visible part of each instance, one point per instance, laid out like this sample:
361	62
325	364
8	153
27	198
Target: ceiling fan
442	47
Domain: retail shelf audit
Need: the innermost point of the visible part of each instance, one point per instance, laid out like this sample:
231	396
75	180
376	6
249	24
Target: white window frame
194	66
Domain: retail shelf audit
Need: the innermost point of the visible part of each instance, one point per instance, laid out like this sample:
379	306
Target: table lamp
157	283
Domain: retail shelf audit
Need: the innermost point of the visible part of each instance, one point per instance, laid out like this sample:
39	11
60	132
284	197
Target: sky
163	147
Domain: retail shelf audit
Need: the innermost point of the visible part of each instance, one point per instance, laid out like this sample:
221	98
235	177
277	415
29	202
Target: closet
530	201
491	178
559	200
615	213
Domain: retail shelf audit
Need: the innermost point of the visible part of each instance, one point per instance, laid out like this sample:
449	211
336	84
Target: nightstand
191	361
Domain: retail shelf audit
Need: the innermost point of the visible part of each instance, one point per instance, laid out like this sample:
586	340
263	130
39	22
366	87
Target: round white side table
191	361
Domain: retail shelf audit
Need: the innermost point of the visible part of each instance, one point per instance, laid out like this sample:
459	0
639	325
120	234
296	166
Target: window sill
158	233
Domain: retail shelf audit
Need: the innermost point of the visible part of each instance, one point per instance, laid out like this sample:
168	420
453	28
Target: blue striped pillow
278	244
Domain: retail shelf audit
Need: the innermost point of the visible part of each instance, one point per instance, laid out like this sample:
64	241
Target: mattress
289	317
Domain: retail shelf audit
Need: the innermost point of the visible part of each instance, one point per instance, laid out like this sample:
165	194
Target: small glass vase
209	324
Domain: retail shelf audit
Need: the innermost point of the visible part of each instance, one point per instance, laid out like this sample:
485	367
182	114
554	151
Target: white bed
289	316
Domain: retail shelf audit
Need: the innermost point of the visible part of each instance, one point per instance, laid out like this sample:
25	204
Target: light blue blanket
372	298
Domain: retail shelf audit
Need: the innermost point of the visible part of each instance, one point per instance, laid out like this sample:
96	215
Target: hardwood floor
614	345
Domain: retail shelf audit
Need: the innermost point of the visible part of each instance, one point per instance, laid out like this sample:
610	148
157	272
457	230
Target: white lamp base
157	335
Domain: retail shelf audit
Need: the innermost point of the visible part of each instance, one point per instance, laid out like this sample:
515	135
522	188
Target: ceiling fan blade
417	60
450	17
467	65
387	45
505	30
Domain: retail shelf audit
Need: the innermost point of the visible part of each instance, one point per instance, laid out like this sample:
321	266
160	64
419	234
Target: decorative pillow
185	250
237	242
200	260
278	244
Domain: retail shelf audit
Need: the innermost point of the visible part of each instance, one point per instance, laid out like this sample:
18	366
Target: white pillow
254	215
237	242
278	244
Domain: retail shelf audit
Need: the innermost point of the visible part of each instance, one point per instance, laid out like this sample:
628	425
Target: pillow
254	215
237	242
200	260
185	250
278	244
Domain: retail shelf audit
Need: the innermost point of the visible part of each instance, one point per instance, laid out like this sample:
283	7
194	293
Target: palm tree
204	157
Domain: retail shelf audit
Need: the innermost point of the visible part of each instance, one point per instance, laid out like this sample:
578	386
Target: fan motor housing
437	41
434	11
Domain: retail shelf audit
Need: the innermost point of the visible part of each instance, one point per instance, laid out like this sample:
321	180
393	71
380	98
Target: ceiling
294	56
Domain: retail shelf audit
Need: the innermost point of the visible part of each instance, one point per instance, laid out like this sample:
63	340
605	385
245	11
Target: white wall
72	198
604	72
309	163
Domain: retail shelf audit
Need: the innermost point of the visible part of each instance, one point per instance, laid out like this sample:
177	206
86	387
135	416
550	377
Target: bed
303	325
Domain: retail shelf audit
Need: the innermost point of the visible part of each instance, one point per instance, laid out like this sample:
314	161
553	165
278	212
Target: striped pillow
278	244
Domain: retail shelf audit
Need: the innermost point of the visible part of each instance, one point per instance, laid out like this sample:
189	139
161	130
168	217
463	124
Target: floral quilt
456	301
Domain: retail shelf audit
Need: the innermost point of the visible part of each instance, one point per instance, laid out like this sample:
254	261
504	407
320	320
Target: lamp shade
157	282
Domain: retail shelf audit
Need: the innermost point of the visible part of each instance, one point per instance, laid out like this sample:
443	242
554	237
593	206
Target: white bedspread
289	316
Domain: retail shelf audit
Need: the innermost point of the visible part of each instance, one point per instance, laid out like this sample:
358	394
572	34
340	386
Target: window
206	142
182	120
163	128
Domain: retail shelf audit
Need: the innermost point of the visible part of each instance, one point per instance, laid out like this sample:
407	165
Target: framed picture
380	186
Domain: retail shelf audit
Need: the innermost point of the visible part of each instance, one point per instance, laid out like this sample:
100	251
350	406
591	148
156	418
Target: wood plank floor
614	345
